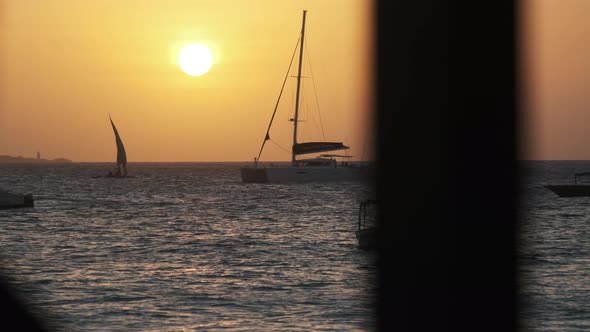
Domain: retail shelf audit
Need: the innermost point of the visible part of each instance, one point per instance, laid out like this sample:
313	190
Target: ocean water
188	246
554	250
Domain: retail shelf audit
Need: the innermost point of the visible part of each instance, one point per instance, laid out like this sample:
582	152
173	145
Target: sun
195	59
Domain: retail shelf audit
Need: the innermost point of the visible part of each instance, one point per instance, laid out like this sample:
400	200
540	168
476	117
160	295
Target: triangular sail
121	155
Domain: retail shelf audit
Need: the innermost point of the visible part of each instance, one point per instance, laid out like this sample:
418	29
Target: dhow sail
121	155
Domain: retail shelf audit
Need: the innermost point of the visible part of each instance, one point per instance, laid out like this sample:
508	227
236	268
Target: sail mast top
295	118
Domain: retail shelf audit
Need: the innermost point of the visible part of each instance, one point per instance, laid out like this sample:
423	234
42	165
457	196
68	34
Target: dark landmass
23	160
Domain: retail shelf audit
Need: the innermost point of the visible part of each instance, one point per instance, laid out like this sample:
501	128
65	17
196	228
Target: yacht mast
293	161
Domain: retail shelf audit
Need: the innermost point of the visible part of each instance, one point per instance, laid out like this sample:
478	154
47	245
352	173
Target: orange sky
65	65
556	74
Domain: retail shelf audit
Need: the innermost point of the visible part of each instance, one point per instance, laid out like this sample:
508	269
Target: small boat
121	170
571	190
10	200
366	234
318	169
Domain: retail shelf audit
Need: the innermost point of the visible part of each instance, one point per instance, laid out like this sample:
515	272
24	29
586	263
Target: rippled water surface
555	250
188	246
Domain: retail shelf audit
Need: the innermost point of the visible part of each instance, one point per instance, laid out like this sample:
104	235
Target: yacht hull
570	190
11	201
303	174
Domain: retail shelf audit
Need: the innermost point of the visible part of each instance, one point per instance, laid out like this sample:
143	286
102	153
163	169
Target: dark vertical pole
295	119
446	165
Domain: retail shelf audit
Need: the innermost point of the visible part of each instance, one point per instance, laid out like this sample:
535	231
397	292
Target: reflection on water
554	252
187	246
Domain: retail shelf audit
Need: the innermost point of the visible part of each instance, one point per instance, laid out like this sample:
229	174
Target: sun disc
195	59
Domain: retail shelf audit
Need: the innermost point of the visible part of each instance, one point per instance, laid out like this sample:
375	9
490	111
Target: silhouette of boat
121	170
322	168
366	234
571	190
11	200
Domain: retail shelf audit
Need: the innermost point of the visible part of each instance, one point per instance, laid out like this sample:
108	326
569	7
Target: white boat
121	170
317	169
10	200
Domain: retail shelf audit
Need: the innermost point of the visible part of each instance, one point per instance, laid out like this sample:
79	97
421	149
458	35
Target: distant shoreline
24	160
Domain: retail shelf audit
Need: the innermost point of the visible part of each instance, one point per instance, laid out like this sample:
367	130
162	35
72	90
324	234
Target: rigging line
310	114
314	89
266	137
277	144
304	111
303	100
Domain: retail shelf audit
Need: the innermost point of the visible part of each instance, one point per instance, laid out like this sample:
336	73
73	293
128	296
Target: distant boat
366	234
10	200
571	190
322	168
121	170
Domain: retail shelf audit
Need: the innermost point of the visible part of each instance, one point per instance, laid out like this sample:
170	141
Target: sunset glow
126	58
555	71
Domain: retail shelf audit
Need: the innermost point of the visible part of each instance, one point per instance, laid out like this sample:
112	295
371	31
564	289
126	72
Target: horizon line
47	161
